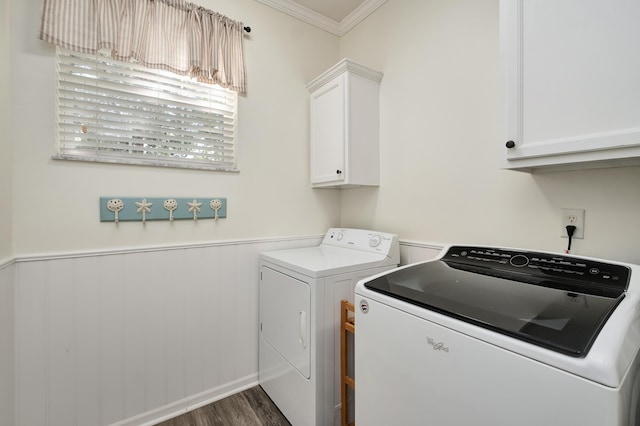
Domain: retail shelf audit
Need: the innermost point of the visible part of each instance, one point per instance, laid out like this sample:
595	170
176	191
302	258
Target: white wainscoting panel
134	337
7	346
412	252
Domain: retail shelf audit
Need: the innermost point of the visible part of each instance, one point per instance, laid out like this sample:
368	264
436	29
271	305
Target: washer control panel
362	239
539	264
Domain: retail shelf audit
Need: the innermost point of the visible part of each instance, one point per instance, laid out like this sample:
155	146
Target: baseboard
190	403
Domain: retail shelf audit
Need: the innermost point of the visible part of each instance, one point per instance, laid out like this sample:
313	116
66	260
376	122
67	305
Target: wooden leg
347	326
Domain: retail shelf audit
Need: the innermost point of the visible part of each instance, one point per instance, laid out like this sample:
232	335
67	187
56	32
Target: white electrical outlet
573	217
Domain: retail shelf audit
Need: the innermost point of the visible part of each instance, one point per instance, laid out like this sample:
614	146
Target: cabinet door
328	133
571	71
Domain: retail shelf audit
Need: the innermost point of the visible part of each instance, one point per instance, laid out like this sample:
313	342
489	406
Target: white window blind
120	112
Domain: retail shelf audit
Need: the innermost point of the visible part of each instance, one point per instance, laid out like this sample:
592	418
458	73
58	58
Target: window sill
144	162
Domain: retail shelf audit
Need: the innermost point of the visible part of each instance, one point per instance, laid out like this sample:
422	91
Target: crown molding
309	16
341	67
354	18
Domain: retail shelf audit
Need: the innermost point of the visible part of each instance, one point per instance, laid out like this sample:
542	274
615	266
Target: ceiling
332	9
335	16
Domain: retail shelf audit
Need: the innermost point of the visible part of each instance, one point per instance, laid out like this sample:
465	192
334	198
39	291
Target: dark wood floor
249	408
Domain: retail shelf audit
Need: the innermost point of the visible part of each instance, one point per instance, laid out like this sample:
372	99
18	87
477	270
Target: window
119	112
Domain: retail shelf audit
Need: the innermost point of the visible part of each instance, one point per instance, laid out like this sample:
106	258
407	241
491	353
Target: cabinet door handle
338	172
510	144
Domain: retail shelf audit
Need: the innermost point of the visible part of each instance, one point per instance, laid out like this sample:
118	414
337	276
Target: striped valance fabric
172	35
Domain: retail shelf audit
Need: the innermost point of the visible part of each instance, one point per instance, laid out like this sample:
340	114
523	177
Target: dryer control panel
362	239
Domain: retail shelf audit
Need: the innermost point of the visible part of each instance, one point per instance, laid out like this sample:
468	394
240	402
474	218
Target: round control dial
519	260
339	236
375	240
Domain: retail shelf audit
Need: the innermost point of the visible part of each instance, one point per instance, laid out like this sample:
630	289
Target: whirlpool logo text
437	346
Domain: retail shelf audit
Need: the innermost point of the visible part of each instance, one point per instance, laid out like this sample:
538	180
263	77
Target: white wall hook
215	206
194	207
115	206
144	208
170	204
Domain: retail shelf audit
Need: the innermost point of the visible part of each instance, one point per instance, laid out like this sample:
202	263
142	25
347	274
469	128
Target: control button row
488	253
484	259
558	262
548	268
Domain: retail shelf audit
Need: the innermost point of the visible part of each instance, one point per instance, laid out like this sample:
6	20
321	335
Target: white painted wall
5	136
127	337
55	203
441	143
7	330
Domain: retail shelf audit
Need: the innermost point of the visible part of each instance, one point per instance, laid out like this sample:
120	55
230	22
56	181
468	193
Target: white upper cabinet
571	75
344	121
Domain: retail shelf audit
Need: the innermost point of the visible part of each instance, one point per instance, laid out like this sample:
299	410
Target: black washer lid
557	302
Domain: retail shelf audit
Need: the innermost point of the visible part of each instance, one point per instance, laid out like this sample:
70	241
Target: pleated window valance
172	35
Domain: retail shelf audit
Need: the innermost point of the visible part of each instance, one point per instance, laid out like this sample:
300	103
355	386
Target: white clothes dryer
300	294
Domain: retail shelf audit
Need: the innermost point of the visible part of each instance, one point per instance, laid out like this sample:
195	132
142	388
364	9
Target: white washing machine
300	294
499	337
